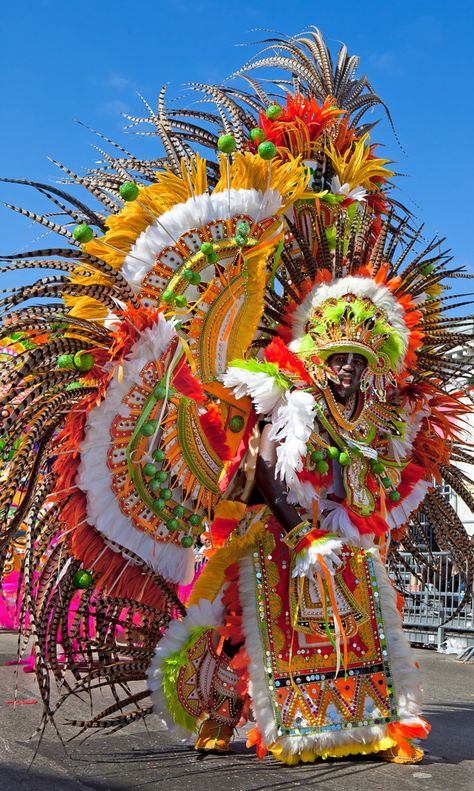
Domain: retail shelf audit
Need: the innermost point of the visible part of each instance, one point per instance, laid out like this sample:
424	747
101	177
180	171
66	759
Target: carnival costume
202	301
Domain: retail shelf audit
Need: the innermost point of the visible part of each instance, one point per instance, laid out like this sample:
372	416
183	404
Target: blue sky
63	62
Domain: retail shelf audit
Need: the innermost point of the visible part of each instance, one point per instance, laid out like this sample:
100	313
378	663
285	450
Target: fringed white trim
261	703
292	424
263	388
412	416
174	563
400	514
335	519
380	295
204	613
307	561
196	212
405	676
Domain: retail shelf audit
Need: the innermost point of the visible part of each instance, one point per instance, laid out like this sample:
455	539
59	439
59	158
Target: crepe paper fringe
213	575
212	426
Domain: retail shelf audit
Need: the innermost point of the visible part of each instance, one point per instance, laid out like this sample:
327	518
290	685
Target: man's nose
348	365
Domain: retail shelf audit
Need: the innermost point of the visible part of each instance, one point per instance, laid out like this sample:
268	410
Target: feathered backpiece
120	440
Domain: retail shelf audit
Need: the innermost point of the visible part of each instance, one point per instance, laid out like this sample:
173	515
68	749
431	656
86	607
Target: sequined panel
307	695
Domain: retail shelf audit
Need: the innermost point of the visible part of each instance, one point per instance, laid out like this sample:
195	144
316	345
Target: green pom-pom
168	297
195	278
166	494
236	424
181	301
344	459
83	233
195	520
394	496
333	452
241	241
149	470
66	361
179	511
257	135
154	485
159	504
129	191
267	150
243	228
83	361
82	579
274	112
316	455
378	468
207	248
226	144
149	428
172	524
159	392
386	482
427	269
322	467
159	455
161	475
186	274
187	541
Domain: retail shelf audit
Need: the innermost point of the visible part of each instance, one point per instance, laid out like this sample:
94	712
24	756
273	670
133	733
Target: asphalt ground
147	758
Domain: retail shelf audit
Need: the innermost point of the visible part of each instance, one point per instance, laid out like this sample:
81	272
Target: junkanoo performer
245	362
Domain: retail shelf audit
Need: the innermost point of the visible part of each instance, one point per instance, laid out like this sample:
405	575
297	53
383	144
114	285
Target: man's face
349	367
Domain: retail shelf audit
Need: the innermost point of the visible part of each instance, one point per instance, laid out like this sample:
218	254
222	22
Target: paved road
148	759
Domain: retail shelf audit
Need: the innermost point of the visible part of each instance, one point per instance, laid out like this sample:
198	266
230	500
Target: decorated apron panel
302	647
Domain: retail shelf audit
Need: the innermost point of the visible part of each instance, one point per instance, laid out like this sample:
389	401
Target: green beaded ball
168	297
427	269
154	485
212	259
243	228
322	467
236	424
66	361
166	494
149	428
257	135
187	541
83	233
316	455
186	274
179	511
394	496
195	520
240	240
161	475
172	524
159	504
195	278
267	150
82	579
378	468
344	459
83	361
226	144
333	452
159	392
149	469
181	301
159	455
274	112
207	248
129	191
386	482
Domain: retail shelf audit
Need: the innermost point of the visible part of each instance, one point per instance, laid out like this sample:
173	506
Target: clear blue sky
63	61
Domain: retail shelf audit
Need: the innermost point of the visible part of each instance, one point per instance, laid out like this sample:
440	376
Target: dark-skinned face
349	367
